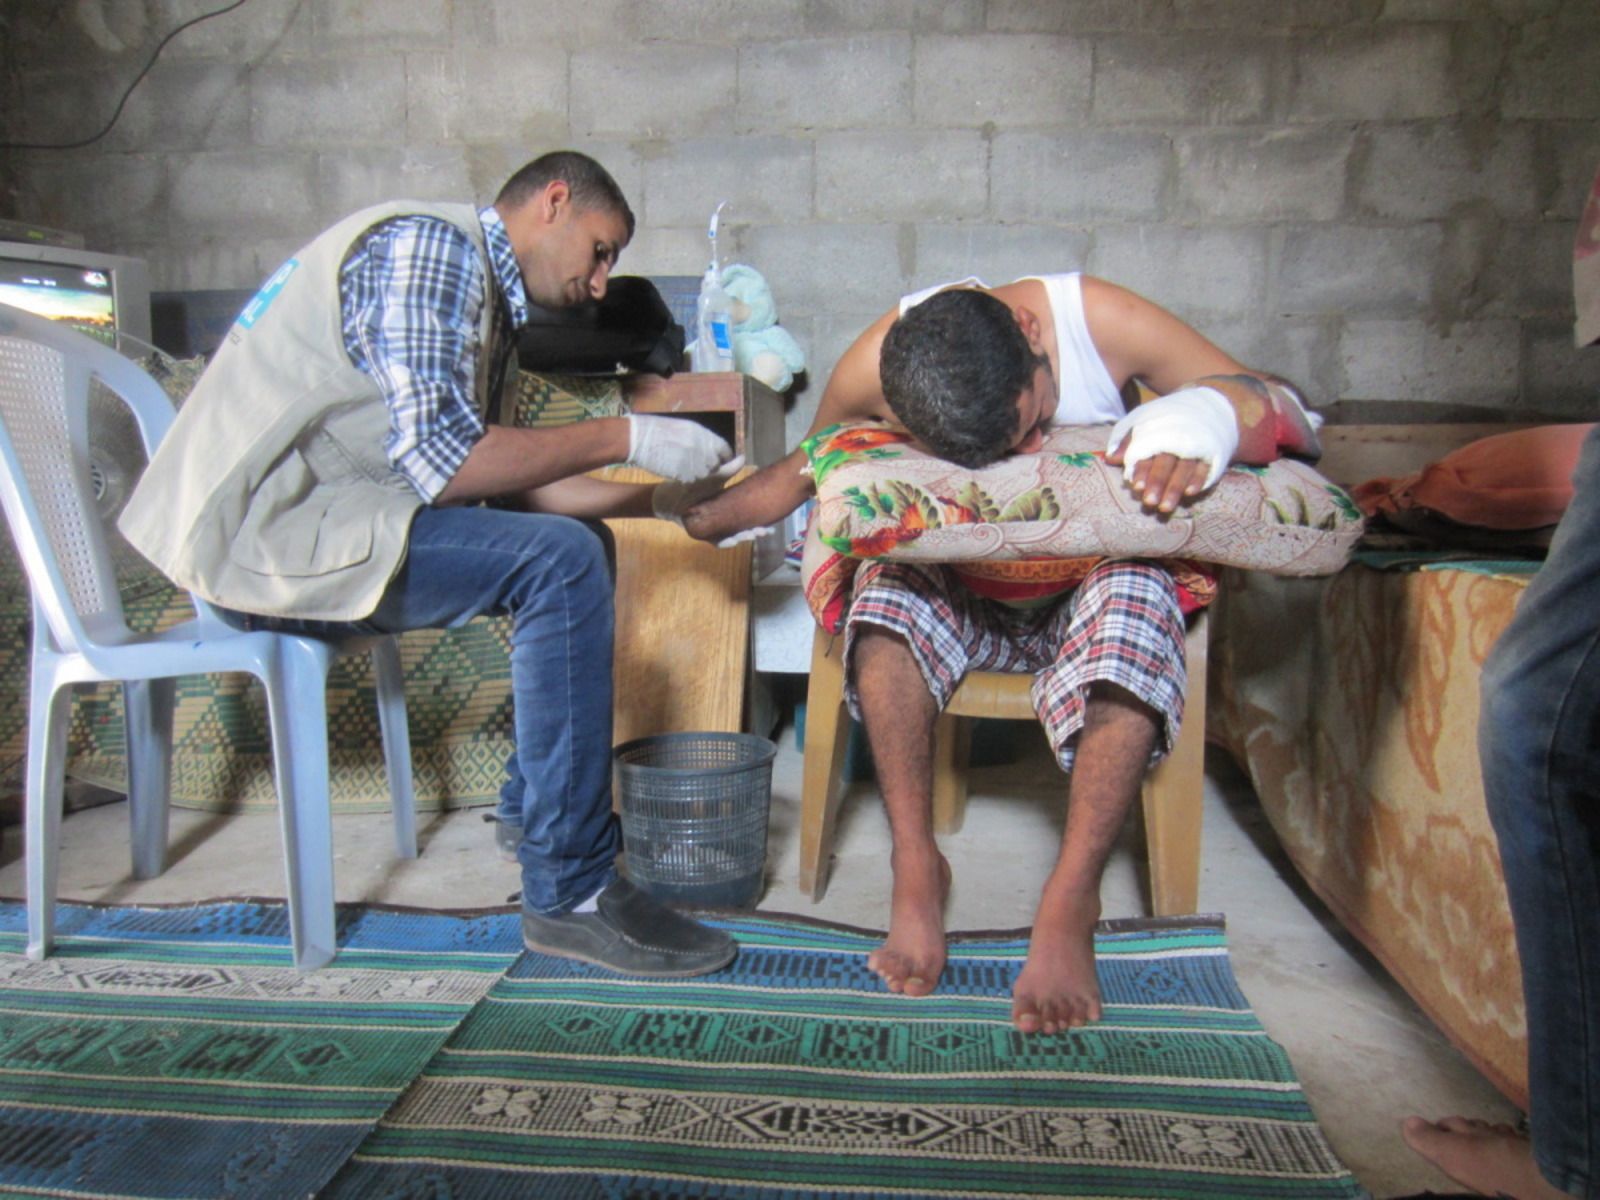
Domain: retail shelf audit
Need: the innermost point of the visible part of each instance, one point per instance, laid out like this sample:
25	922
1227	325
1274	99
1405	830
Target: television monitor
104	295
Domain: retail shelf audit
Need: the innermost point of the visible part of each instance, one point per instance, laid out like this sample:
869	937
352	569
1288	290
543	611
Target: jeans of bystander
1539	741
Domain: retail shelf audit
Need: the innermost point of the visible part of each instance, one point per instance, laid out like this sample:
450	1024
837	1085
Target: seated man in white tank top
976	373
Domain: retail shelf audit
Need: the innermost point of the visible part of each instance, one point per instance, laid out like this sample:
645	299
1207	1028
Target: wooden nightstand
683	607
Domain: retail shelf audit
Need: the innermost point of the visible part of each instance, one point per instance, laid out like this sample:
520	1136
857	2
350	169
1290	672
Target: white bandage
1196	423
744	535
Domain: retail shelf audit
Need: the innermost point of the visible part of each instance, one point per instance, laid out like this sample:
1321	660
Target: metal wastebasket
694	810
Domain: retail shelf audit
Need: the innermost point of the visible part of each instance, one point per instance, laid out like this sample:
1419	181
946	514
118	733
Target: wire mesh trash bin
694	810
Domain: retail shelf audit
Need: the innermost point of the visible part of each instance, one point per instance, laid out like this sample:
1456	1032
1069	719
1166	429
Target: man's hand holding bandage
674	447
671	501
1175	446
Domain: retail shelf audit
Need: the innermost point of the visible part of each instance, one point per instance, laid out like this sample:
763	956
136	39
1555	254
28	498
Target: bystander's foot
1492	1160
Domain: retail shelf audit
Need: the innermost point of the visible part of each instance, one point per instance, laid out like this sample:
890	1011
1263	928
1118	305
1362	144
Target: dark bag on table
630	330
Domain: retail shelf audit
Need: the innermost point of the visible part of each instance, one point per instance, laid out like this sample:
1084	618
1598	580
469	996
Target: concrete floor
1365	1054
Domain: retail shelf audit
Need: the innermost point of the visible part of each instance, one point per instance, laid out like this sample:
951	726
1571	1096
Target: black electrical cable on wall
137	79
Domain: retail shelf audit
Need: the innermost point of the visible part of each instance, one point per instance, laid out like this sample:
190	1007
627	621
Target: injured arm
761	501
1272	416
1176	446
772	493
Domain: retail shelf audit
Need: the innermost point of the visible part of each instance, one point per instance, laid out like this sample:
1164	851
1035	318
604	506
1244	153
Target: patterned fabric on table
1370	778
794	1075
1027	527
177	1052
457	681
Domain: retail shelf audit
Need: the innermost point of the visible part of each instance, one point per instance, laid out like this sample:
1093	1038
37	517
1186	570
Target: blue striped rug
795	1076
176	1052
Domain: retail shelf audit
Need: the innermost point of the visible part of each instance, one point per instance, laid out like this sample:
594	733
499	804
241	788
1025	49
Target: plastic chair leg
391	694
50	708
147	717
826	741
296	685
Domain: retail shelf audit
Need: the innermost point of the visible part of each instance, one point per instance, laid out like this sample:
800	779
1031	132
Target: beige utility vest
272	493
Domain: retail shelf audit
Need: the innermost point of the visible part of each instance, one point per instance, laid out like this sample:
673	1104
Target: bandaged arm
1218	420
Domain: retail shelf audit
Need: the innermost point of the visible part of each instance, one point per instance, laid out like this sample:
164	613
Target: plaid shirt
411	295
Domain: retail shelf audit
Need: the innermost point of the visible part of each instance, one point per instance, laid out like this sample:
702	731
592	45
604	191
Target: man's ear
551	202
1028	322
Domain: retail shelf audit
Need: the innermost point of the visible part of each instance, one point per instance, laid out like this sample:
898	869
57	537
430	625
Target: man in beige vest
326	475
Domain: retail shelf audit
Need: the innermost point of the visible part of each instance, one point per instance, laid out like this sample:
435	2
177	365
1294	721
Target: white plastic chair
80	635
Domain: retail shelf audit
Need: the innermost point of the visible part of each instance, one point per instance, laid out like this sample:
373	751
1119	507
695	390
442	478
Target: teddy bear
761	347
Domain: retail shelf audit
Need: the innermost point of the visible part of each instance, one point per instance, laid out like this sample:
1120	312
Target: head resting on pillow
952	370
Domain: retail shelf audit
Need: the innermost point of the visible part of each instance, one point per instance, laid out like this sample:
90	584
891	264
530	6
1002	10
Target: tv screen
103	295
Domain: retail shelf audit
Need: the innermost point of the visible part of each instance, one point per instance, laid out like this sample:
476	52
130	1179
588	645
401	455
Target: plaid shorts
1121	625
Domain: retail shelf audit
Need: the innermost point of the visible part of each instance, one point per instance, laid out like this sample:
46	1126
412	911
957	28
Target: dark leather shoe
506	837
632	933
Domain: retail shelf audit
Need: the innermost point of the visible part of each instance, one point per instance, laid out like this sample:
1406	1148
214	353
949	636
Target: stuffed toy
761	347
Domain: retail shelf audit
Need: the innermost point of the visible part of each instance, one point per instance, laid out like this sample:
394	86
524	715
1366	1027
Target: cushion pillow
879	495
1521	479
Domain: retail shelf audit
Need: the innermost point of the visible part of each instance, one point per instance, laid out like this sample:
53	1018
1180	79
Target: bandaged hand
1195	423
674	448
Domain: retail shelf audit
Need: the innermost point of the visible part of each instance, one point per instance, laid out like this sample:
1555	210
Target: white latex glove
1196	423
674	447
670	500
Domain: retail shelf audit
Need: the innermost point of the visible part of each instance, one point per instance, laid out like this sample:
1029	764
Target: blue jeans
1539	742
550	575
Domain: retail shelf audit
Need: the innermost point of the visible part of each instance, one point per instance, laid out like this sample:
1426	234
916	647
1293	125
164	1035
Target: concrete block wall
1374	197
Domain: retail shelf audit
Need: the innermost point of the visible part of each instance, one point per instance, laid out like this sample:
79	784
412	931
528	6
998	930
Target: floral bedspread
1352	704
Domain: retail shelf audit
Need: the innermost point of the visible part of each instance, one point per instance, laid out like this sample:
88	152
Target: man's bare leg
1495	1160
1057	987
899	714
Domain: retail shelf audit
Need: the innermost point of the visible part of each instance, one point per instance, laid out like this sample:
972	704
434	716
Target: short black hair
952	369
591	184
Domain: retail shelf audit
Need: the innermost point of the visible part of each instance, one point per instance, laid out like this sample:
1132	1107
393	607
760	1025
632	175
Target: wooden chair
1172	797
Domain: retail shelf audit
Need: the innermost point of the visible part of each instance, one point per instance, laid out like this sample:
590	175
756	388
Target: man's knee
1106	701
561	562
583	550
871	641
608	545
881	659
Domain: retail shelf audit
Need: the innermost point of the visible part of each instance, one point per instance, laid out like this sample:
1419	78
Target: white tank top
1088	395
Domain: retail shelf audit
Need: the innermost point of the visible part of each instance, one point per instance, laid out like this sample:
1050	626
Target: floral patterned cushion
1030	525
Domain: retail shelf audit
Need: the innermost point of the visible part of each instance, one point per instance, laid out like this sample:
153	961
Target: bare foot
911	958
1494	1160
1057	988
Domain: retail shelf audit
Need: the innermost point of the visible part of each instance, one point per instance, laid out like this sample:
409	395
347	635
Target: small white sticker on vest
260	302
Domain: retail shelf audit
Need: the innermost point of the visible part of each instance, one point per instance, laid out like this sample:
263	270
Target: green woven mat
794	1075
176	1052
458	684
